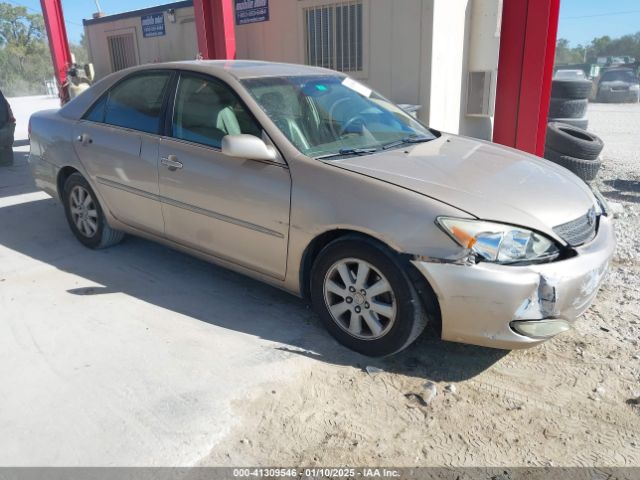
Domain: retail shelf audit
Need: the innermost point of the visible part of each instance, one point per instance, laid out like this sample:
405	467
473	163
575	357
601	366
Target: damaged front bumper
494	305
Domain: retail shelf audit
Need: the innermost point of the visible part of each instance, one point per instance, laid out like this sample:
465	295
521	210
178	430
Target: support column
58	43
525	69
215	28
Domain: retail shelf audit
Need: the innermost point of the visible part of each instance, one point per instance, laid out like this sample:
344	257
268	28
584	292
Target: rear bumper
479	302
618	96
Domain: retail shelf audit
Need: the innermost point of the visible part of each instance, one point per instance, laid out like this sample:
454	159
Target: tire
587	170
570	88
568	108
398	314
6	156
99	236
573	141
581	123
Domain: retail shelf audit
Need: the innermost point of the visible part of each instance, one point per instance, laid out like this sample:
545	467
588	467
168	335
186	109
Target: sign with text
251	11
153	25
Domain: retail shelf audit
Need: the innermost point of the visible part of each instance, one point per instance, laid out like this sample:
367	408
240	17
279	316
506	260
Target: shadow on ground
623	190
188	286
16	179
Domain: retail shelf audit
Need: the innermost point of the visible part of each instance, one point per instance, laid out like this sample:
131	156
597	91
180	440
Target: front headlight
499	243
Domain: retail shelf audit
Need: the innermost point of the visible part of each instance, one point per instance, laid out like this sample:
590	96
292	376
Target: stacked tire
574	149
569	101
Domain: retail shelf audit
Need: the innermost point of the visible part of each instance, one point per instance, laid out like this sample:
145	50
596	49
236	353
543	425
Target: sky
580	20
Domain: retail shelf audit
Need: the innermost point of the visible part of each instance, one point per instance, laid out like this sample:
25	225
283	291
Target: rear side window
96	114
136	103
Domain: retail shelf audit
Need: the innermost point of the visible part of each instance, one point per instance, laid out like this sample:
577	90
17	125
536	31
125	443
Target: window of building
334	36
207	110
122	51
136	103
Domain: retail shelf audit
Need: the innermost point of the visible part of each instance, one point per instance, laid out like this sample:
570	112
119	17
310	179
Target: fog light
540	328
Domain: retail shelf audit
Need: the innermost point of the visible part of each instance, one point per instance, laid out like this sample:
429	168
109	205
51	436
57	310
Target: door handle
171	162
84	139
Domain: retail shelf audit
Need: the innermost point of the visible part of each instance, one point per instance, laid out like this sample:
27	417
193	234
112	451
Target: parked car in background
7	131
308	180
618	85
570	75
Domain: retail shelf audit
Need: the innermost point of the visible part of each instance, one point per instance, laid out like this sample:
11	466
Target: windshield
619	76
333	115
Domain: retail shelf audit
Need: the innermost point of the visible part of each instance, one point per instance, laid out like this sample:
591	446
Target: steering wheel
349	123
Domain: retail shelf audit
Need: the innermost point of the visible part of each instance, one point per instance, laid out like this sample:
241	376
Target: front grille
578	231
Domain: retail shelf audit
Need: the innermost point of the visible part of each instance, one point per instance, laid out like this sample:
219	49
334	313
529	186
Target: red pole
215	28
58	43
525	68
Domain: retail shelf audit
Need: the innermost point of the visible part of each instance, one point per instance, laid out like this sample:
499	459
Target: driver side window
206	110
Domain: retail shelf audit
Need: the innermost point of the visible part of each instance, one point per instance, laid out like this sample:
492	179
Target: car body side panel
327	198
233	208
123	166
51	149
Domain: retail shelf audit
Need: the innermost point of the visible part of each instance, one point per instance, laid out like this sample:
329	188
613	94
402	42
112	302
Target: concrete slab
126	356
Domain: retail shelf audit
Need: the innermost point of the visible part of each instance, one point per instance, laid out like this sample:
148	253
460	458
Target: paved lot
128	356
139	355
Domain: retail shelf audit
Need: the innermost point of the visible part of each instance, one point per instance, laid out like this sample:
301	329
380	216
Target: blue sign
251	11
153	25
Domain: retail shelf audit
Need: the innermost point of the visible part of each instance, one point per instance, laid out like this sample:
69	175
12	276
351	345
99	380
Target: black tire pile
568	142
574	149
569	100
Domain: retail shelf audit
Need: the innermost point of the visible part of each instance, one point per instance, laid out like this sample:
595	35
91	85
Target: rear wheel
85	216
365	298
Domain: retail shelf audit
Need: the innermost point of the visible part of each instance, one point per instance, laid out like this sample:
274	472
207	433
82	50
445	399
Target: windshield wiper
349	151
409	139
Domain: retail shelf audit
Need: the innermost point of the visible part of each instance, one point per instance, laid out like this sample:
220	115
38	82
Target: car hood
486	180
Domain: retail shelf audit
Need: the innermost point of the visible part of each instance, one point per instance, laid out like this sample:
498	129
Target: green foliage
599	47
25	60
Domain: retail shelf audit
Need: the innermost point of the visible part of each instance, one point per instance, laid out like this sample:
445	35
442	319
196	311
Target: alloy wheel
83	211
360	299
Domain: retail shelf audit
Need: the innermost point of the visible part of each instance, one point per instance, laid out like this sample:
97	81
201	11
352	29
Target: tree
25	62
80	50
566	55
598	47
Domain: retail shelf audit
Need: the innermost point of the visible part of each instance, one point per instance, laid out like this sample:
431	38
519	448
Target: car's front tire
365	298
85	216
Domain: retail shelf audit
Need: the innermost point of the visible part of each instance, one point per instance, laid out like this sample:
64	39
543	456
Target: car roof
242	69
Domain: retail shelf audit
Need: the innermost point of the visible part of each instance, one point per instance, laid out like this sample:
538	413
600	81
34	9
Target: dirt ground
570	402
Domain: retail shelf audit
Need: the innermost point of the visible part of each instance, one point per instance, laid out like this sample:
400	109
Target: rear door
236	209
117	142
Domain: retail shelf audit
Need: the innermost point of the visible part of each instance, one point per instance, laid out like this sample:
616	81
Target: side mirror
247	146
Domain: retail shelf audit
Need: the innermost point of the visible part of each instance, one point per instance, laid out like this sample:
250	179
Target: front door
117	143
235	209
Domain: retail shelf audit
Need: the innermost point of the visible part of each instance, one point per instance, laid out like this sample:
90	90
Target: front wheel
85	216
365	297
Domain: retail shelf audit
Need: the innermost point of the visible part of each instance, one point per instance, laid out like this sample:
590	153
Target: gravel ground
571	402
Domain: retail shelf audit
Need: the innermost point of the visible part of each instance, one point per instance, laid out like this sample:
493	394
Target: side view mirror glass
247	146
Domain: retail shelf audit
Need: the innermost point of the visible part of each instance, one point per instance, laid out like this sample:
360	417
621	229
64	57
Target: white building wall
414	51
178	43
